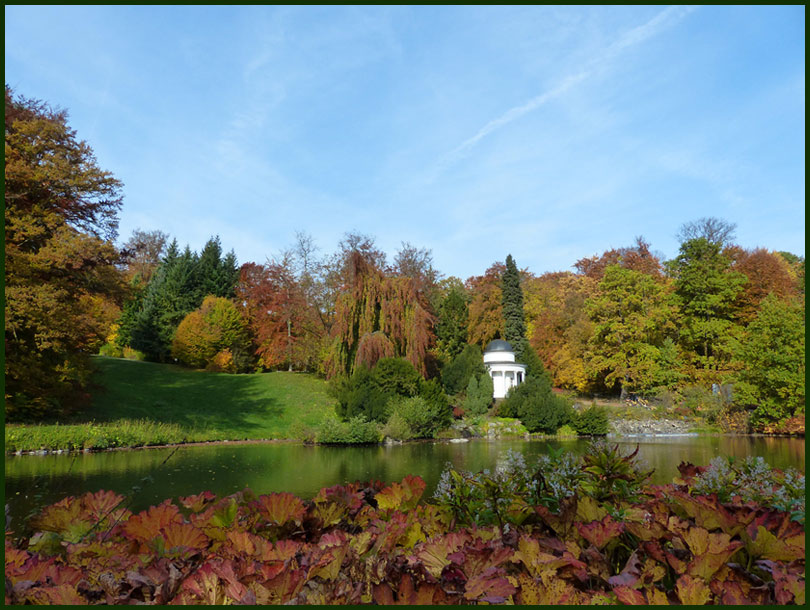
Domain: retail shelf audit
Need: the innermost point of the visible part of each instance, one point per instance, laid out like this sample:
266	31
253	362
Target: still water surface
33	482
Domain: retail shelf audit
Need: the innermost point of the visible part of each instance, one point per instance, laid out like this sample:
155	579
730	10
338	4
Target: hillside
257	406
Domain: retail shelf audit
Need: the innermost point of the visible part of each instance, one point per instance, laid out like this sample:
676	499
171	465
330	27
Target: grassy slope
253	406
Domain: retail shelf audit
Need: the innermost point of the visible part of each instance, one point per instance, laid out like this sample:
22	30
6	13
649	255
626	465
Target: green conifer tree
515	320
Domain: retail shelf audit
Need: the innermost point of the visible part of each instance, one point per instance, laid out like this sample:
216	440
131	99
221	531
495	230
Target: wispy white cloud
663	20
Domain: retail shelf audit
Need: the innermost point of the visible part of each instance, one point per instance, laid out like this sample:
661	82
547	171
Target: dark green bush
438	406
396	377
593	421
456	375
359	395
370	394
536	406
479	394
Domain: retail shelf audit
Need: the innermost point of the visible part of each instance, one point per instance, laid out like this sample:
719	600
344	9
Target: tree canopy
60	219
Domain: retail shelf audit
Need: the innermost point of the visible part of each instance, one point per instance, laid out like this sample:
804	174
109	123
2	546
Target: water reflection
35	481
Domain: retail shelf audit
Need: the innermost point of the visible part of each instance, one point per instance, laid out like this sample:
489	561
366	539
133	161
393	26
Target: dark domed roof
498	345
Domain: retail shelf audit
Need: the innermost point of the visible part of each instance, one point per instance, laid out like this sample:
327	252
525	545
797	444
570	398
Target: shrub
535	405
396	376
222	362
703	402
368	391
111	350
133	354
456	375
210	330
397	428
479	394
355	431
592	422
566	431
437	403
359	395
423	418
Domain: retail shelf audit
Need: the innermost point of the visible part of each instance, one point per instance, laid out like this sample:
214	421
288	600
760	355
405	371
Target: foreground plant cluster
587	531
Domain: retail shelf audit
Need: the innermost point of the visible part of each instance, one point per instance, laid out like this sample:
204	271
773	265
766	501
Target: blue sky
551	133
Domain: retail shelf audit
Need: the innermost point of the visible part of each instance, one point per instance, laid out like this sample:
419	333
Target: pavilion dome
498	345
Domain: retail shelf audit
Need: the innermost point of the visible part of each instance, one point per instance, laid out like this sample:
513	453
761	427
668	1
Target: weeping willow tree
378	317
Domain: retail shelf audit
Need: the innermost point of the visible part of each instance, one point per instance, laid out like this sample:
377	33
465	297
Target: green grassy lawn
190	405
254	406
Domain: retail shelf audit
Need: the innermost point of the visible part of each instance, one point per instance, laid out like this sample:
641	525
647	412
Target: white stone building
499	358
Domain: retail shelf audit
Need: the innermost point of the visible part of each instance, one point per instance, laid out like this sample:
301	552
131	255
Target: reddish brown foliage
360	543
284	326
637	258
379	315
767	273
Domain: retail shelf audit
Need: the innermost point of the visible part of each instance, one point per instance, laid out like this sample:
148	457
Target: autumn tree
142	254
285	328
766	273
60	222
214	336
485	318
637	258
796	265
546	321
706	290
378	315
417	264
632	316
177	287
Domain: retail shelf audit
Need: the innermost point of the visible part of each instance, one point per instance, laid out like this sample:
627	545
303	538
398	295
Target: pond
151	475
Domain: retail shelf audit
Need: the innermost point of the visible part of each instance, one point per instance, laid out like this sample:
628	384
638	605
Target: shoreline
281	441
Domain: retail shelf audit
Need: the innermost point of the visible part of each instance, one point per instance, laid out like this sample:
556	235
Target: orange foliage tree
767	273
62	288
213	336
485	317
284	325
378	316
558	327
636	258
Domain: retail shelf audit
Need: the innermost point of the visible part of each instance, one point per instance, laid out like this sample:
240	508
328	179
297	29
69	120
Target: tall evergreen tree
514	321
217	275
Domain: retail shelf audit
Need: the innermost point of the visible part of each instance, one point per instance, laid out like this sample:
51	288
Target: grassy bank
144	403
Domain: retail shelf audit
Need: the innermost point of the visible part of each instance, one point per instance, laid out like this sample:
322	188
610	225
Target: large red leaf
630	597
197	502
433	553
403	496
281	508
184	536
599	533
489	586
148	524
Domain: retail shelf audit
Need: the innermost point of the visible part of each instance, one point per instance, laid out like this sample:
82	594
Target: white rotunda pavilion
499	358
